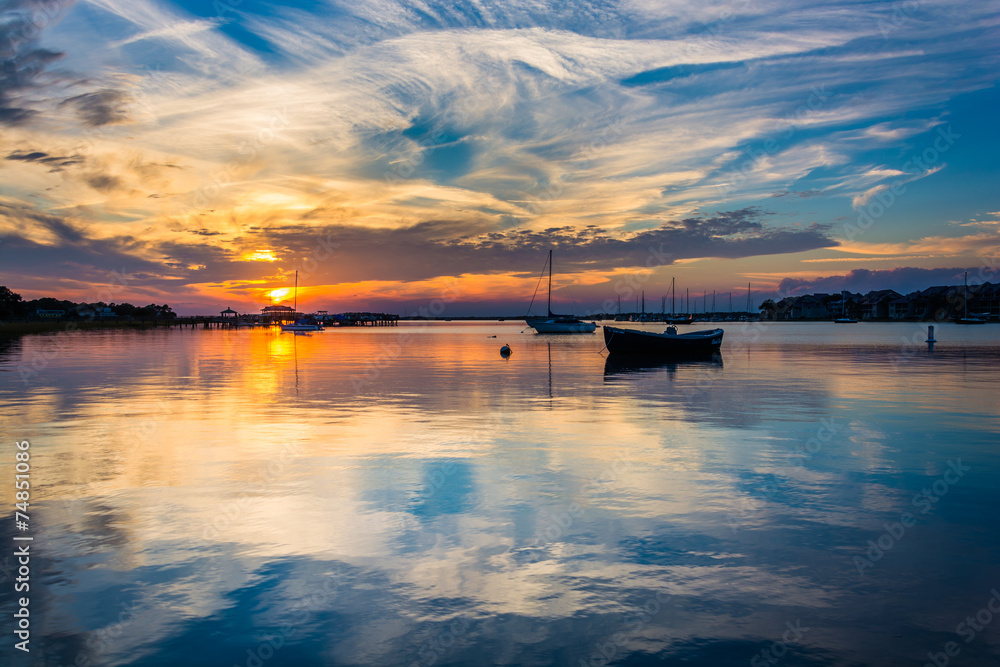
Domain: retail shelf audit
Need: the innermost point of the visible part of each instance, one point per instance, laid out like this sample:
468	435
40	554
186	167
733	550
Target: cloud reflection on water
537	502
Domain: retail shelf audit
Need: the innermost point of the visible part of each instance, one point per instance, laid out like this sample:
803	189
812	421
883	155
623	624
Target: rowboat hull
648	343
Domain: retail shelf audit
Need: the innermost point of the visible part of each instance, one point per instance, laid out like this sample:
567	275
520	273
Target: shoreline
23	328
10	329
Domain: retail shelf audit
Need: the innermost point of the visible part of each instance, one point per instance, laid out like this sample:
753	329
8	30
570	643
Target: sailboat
553	323
844	319
673	302
965	319
302	324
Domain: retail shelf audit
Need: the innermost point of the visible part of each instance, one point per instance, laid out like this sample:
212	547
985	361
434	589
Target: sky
411	154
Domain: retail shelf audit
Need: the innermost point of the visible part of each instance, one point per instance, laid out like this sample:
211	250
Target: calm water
822	495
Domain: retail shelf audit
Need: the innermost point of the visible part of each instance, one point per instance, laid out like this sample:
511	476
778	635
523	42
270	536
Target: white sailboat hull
551	325
301	327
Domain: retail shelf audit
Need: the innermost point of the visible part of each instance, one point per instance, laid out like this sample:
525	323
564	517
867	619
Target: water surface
405	496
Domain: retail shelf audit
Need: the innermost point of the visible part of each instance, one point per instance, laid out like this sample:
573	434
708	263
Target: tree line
14	307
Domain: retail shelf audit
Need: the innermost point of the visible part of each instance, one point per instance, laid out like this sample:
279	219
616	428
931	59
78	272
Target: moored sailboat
965	319
553	323
844	319
303	323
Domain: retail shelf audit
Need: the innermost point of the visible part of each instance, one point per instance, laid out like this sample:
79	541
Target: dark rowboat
666	344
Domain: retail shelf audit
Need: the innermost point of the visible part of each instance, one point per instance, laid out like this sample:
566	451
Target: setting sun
279	294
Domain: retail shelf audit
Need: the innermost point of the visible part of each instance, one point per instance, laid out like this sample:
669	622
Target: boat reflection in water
617	364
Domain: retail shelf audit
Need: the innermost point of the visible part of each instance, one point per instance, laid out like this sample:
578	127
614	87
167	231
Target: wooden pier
227	320
250	321
365	319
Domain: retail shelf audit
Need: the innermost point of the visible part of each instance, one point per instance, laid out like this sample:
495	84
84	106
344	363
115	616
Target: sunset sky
400	151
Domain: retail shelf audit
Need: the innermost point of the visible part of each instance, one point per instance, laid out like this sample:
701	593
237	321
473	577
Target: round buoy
505	351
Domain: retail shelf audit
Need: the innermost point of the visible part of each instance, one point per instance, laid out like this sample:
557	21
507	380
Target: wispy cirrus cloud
26	64
982	243
383	120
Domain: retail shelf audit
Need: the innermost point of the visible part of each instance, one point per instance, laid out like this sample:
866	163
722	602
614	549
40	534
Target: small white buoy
930	335
505	351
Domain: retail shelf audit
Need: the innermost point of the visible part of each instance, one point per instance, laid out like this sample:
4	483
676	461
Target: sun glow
279	294
260	256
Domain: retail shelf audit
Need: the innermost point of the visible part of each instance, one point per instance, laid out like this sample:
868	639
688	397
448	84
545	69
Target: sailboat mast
550	282
965	294
672	297
295	299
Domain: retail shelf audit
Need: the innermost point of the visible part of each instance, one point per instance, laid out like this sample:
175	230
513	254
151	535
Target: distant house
50	314
902	307
808	307
984	300
106	312
875	304
925	303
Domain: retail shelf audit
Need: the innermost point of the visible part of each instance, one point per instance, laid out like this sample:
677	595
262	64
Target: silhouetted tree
768	307
126	310
11	304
